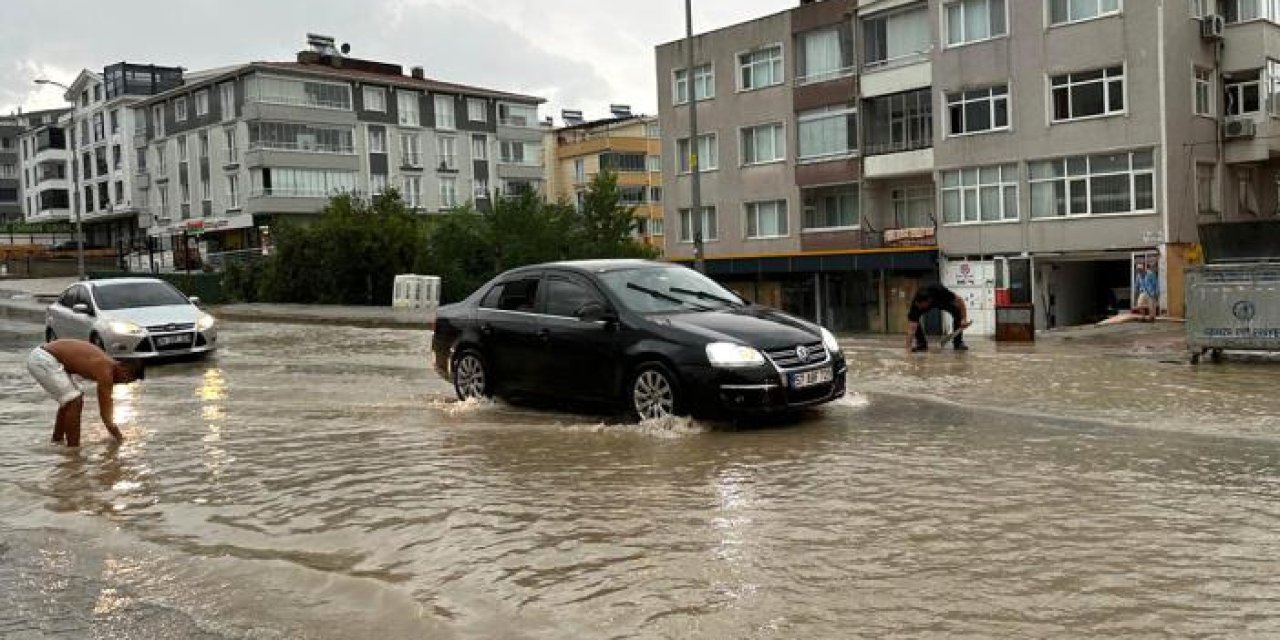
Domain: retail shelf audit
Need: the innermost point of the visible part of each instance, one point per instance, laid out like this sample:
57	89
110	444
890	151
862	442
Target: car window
668	289
490	300
518	295
138	294
565	297
69	297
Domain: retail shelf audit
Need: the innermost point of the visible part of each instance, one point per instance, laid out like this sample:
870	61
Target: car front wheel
471	377
655	394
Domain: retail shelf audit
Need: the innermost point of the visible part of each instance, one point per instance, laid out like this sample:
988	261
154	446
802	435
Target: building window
444	113
99	127
898	37
1207	189
141	160
655	194
205	195
829	132
653	131
161	166
1273	85
407	109
157	120
97	93
377	183
448	192
298	92
899	122
182	149
657	227
115	121
518	115
823	54
227	95
233	154
100	156
630	195
289	136
978	110
477	110
233	191
622	162
117	157
88	199
9	171
974	20
760	69
688	225
375	99
1203	96
202	103
479	147
377	140
579	171
1067	11
86	165
304	183
708	153
180	109
523	153
1243	94
413	191
1233	11
653	164
980	194
480	189
704	84
766	219
830	208
1088	94
204	145
184	189
913	207
410	149
763	144
446	148
1093	185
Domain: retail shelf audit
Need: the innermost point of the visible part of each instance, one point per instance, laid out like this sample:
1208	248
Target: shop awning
903	259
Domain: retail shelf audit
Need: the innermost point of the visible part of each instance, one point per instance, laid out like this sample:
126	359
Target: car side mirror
195	300
596	312
82	308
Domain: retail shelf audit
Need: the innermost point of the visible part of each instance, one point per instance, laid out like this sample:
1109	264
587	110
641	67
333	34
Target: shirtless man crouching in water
52	366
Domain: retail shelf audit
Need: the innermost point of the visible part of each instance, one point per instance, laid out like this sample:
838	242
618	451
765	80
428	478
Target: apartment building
35	162
1049	144
629	145
804	206
229	153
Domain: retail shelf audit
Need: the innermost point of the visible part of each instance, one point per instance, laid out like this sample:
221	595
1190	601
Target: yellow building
628	144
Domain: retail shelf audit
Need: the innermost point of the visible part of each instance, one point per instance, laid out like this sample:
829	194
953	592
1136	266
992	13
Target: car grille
788	358
171	328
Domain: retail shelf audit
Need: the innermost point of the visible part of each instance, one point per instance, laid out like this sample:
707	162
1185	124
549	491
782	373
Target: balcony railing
521	161
299	147
843	72
898	146
412	159
283	192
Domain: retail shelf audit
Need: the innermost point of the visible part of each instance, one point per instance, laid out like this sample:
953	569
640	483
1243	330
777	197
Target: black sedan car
657	338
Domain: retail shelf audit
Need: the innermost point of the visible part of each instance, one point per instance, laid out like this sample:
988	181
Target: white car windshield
668	289
137	294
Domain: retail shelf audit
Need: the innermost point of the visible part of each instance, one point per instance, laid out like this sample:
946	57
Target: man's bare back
89	362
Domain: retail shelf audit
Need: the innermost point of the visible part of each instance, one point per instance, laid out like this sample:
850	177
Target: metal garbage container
1233	307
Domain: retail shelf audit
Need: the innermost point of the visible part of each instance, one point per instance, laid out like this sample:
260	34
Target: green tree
605	225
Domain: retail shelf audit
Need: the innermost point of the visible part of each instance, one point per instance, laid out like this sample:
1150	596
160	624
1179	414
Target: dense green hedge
206	286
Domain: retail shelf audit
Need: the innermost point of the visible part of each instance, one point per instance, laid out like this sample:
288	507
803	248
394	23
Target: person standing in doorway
1148	286
53	364
936	296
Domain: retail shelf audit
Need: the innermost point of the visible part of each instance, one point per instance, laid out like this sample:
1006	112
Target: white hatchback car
132	318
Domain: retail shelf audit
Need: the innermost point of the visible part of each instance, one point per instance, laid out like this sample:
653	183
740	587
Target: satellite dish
346	48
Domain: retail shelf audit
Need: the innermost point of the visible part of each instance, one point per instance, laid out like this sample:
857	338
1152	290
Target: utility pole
695	170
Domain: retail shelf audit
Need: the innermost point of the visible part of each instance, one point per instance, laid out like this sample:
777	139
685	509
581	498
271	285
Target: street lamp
695	210
76	186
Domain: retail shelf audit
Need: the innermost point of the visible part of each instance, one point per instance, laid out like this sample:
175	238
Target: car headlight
126	328
205	322
829	340
726	354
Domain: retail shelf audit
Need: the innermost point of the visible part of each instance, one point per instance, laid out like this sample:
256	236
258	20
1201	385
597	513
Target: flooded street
318	482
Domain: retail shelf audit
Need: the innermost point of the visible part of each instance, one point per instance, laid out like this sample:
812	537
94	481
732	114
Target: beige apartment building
1047	146
629	145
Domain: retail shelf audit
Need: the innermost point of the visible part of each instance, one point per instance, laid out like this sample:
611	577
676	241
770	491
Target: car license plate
169	341
811	378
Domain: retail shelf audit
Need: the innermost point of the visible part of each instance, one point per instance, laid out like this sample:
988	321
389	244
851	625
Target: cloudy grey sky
576	53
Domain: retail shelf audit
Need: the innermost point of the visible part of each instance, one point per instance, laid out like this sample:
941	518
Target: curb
333	321
22	311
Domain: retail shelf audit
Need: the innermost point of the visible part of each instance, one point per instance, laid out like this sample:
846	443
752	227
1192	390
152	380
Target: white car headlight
829	341
205	322
726	354
126	328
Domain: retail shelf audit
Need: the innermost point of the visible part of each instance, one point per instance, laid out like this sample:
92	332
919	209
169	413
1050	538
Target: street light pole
75	185
695	171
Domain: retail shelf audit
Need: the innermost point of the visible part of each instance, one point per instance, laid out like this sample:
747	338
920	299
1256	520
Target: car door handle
544	334
486	329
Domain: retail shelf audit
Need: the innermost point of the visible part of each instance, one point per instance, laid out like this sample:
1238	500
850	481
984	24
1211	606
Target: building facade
42	173
630	146
1048	145
228	153
11	165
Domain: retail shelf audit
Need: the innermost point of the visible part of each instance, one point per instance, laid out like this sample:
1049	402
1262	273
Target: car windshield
137	294
668	289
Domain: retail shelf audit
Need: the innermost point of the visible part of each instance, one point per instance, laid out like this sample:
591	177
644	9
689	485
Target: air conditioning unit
1239	128
1211	27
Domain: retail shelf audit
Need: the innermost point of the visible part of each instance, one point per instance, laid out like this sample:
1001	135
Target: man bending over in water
52	366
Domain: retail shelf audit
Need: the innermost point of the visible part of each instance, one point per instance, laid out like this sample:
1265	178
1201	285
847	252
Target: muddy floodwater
321	483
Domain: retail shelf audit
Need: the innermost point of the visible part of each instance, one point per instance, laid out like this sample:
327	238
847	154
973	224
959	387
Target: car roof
107	282
601	266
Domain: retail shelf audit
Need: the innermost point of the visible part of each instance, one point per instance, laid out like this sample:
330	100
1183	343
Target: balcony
1250	138
302	147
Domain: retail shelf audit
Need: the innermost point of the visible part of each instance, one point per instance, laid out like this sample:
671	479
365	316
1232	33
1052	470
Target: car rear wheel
471	377
655	393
